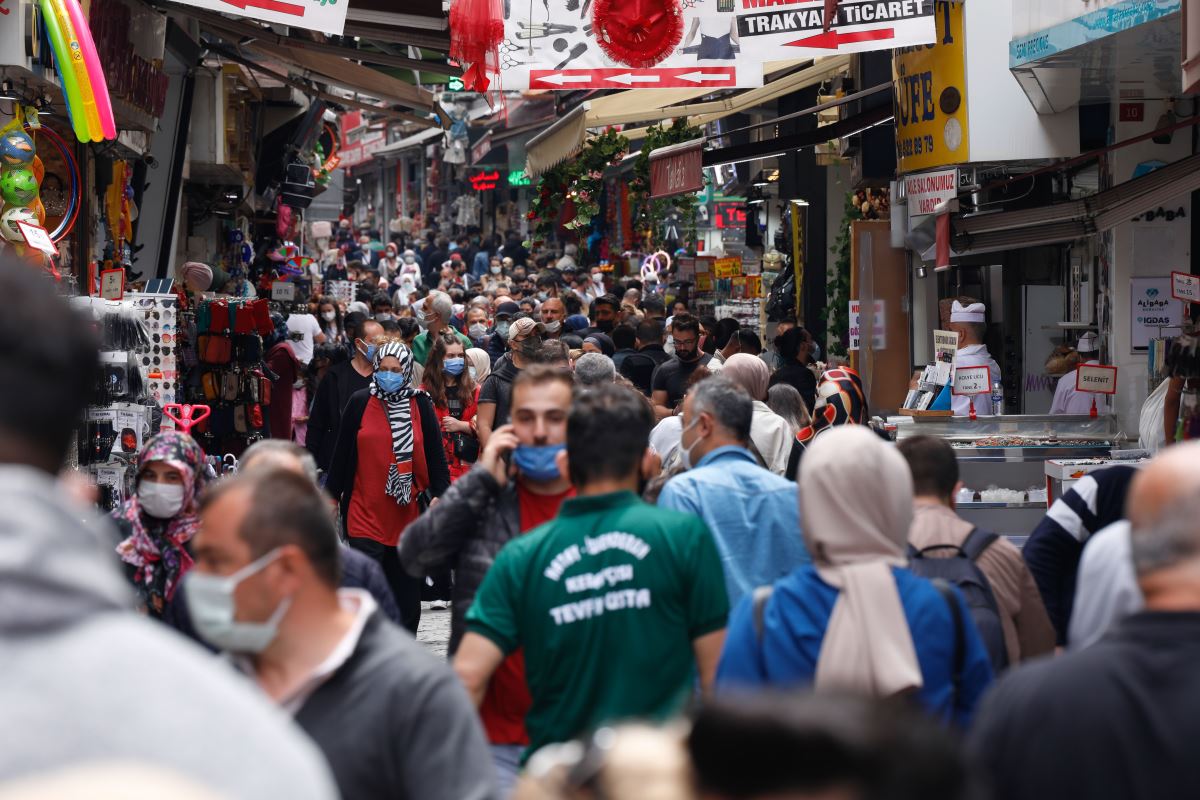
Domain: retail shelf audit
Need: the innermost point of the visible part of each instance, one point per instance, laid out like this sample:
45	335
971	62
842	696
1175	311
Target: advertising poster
1152	310
931	96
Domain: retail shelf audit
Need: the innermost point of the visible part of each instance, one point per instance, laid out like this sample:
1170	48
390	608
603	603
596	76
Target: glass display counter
1002	460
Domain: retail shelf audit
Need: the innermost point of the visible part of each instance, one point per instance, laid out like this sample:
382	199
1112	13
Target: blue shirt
794	621
753	514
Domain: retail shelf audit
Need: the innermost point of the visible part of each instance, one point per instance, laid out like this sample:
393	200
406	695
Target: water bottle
997	399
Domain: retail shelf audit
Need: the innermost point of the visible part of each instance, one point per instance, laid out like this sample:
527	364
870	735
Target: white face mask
211	607
552	327
160	500
329	316
497	270
477	330
685	453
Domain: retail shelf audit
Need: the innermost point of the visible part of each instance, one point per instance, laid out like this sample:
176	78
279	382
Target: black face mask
605	325
530	347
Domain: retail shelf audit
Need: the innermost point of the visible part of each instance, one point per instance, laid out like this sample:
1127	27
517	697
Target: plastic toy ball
9	220
18	187
16	148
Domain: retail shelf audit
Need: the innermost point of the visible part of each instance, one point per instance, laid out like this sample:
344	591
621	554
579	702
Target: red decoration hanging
638	33
476	31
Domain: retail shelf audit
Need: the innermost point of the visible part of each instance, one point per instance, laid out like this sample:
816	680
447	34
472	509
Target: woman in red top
455	397
388	453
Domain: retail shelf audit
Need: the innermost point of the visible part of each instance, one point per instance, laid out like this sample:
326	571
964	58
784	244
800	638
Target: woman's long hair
435	379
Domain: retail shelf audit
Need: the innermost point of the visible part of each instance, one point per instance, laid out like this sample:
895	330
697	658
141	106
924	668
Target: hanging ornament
638	33
476	31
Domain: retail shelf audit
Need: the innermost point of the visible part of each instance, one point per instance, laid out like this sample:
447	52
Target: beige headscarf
868	647
749	372
482	363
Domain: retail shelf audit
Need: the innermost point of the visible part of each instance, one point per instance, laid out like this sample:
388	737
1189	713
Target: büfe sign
1185	287
972	380
676	169
1096	378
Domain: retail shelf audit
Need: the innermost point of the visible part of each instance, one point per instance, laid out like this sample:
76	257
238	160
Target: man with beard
670	380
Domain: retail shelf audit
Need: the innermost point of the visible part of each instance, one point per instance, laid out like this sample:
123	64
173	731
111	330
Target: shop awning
1065	222
565	138
409	142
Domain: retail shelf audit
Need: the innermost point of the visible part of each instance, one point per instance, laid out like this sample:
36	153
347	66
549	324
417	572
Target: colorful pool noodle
84	85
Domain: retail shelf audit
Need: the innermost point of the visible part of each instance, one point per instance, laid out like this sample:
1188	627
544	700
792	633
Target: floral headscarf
157	547
845	403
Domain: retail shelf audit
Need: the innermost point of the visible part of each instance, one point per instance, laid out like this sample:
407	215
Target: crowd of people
679	564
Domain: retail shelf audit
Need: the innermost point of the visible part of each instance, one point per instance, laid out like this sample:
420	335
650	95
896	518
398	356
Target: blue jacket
753	514
794	622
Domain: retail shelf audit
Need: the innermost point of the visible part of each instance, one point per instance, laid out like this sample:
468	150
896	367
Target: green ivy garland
838	274
580	180
649	215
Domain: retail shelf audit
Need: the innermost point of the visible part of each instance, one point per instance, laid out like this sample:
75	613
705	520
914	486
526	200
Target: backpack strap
977	541
956	672
761	595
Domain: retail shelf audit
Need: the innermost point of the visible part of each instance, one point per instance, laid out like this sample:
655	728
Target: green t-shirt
421	344
605	600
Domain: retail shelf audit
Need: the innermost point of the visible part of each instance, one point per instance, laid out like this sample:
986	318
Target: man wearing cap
1068	399
969	322
498	337
495	395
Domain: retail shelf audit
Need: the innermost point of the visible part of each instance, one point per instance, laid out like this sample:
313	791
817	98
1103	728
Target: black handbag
466	448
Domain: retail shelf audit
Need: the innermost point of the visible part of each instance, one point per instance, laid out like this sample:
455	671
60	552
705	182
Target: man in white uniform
969	323
1069	400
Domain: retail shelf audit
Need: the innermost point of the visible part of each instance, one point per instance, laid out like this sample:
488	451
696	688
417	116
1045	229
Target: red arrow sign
277	6
833	39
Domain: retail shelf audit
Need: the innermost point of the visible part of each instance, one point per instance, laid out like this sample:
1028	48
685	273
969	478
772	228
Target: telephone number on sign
916	145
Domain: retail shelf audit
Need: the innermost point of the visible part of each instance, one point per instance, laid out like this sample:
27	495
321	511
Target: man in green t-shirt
613	601
435	317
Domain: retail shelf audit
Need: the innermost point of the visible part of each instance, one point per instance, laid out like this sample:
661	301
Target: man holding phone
515	486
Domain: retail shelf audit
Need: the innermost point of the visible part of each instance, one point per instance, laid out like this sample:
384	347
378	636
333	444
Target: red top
507	700
457	468
372	514
282	361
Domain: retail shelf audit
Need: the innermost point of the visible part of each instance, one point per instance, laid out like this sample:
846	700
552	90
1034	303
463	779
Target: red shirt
507	700
372	514
457	467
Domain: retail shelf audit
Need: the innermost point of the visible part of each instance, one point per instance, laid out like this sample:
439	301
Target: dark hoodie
85	679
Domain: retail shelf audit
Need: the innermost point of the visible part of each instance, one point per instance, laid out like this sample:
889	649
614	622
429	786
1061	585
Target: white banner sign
925	190
972	380
326	16
878	340
1096	378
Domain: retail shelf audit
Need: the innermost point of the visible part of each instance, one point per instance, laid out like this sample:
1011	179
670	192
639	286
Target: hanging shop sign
315	15
517	177
927	189
931	96
485	181
727	267
1096	378
613	44
677	169
1185	287
359	142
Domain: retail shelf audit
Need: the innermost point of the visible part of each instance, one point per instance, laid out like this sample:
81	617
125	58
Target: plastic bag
1150	423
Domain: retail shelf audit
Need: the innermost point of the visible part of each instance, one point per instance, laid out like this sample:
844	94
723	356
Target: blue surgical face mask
369	352
538	463
502	328
390	382
453	366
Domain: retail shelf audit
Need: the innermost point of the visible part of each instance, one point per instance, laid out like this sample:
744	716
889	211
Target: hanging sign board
37	238
677	169
926	190
931	96
727	267
1185	287
556	44
972	380
1096	378
315	15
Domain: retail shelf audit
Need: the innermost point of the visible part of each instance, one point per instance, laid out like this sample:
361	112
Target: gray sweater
85	679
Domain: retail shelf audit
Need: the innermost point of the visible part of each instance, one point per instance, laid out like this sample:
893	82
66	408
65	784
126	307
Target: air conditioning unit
298	185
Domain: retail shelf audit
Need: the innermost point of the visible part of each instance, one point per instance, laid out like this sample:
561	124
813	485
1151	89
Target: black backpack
960	570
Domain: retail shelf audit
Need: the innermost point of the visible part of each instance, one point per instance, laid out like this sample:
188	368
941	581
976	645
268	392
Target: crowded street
601	400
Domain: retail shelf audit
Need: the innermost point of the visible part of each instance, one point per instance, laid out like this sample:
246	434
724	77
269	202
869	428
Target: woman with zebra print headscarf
388	457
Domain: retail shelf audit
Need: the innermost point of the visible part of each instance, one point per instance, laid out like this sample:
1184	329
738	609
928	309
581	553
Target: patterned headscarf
157	547
398	406
845	403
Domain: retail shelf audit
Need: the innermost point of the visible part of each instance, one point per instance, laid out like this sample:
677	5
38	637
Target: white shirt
1069	400
975	355
308	327
772	437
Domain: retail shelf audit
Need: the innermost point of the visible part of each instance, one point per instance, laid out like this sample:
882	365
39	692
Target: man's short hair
726	329
594	369
607	300
353	323
439	303
653	305
650	331
284	508
1173	538
728	404
608	430
623	337
685	322
541	374
267	453
933	464
381	299
553	353
48	368
748	341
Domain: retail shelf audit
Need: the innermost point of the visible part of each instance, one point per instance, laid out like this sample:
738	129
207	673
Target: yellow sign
930	84
704	282
727	267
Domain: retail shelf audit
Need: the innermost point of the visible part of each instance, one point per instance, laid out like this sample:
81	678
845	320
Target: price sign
704	282
1185	287
1096	378
972	380
112	284
37	238
727	267
283	291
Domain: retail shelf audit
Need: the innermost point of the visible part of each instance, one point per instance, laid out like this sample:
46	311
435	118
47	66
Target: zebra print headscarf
398	405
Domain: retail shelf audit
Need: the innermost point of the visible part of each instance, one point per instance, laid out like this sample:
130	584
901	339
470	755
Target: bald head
1164	511
1165	481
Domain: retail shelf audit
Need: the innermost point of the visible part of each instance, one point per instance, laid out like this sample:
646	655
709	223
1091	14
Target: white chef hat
973	313
1087	343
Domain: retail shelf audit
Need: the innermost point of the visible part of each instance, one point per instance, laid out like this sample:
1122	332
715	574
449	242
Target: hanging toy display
18	183
63	193
84	85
